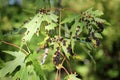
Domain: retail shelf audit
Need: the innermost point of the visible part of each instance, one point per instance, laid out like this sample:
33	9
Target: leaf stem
65	70
15	46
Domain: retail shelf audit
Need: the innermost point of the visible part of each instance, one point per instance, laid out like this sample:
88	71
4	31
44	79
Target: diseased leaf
67	32
51	26
73	30
74	26
50	19
10	66
70	18
22	74
32	27
96	13
100	20
64	47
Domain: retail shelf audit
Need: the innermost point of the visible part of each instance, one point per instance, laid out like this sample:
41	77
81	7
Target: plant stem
15	46
65	70
59	23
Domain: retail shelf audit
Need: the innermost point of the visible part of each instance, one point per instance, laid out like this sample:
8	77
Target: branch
15	46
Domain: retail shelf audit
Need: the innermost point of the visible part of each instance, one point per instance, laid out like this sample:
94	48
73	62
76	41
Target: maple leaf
10	66
32	27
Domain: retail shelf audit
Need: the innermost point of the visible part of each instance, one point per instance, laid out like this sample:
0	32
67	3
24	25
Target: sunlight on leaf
32	27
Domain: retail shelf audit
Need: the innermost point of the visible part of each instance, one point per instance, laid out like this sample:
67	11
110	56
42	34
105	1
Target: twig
15	46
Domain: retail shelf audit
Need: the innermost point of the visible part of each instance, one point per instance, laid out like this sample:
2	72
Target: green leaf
74	26
72	43
37	67
64	48
98	35
51	26
32	74
26	73
53	17
100	20
10	66
96	13
70	18
67	32
39	70
73	30
50	18
72	77
22	74
32	27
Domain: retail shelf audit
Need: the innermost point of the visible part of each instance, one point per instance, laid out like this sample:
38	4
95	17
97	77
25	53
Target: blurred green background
14	12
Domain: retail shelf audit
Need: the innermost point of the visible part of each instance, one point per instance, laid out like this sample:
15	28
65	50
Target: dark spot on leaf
23	40
69	50
97	42
17	78
58	48
25	21
28	32
74	37
93	35
64	42
101	27
61	39
88	39
77	28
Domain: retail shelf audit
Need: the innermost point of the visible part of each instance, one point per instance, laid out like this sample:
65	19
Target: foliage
58	37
